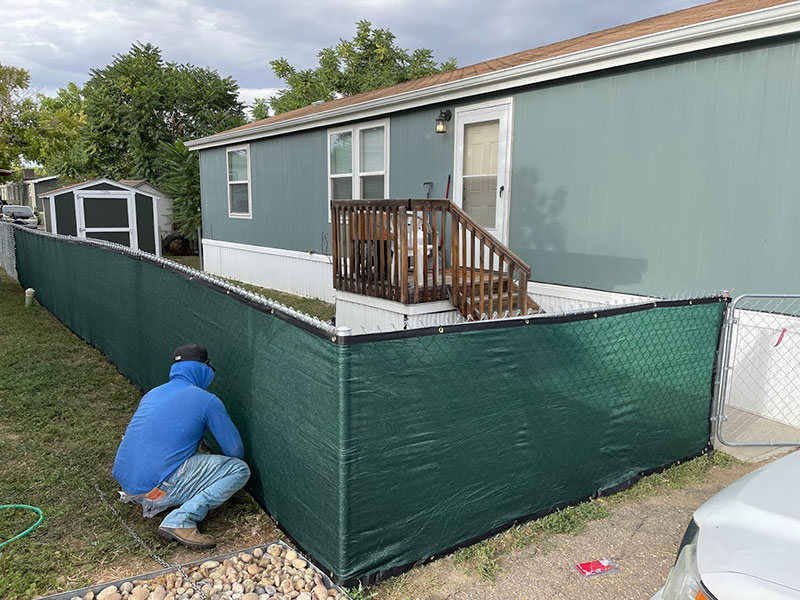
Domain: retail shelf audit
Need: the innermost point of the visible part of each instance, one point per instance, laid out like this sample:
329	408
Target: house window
358	162
239	199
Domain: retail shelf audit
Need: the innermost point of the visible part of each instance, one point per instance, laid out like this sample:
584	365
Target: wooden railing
414	251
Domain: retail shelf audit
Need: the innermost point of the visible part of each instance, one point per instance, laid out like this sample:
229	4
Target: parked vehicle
743	543
21	215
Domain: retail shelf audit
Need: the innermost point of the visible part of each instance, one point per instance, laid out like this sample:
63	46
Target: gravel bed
271	573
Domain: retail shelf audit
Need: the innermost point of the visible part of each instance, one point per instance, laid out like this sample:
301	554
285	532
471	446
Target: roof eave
763	23
85	184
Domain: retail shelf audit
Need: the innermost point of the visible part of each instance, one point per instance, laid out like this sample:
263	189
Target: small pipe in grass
29	294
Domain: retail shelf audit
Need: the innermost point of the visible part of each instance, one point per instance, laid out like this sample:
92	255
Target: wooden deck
448	256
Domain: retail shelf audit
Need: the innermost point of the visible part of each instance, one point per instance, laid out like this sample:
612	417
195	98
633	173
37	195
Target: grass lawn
315	308
63	410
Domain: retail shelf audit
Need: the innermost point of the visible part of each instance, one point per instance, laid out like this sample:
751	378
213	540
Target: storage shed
28	192
104	209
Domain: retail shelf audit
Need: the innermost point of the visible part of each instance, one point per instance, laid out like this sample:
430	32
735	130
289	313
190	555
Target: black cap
190	352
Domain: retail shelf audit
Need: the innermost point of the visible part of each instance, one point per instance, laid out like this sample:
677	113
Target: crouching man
157	464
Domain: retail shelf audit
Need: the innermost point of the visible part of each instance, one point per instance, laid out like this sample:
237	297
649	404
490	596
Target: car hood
750	533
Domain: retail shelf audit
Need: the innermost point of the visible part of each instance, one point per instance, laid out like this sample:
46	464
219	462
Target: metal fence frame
726	372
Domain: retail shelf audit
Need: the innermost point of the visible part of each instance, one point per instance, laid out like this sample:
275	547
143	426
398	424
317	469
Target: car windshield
18	211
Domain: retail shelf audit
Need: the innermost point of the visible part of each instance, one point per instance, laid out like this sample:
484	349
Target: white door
483	160
105	215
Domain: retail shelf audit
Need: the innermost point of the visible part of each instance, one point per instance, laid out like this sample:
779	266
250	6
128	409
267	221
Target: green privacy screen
378	452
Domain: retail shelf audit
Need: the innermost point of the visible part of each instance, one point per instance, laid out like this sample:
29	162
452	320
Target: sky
59	41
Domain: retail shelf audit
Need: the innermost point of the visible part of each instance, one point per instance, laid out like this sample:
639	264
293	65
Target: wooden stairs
415	251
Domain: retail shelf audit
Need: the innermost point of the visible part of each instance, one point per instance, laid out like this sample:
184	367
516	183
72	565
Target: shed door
483	158
107	216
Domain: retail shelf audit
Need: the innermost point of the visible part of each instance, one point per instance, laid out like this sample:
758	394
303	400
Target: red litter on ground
597	567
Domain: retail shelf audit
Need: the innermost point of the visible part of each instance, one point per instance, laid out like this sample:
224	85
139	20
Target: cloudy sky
60	40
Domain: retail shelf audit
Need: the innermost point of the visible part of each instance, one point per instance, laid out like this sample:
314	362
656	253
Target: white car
22	215
744	543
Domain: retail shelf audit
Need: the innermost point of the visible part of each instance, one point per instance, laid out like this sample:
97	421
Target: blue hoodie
168	426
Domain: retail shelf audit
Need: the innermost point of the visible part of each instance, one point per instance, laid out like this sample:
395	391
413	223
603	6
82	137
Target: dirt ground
642	536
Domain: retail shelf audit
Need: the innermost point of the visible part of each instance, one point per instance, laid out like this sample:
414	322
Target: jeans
202	482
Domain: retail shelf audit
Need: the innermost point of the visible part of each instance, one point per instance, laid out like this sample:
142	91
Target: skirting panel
300	273
562	298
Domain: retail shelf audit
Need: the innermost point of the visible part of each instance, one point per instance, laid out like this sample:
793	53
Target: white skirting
765	363
299	273
364	314
560	298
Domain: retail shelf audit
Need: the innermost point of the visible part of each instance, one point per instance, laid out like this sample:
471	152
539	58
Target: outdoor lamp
441	121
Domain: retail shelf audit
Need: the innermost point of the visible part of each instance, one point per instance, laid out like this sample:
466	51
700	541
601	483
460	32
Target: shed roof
125	184
141	184
646	27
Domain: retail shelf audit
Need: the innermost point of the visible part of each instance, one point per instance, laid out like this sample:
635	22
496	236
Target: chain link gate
759	392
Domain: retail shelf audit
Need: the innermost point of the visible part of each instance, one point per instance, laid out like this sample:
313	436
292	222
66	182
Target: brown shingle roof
674	20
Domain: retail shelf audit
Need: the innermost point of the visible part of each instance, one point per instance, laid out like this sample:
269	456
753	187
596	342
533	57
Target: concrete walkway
743	426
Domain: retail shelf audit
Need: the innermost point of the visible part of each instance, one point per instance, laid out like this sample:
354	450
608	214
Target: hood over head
197	373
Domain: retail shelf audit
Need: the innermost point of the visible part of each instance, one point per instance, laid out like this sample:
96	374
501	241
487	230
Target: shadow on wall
538	233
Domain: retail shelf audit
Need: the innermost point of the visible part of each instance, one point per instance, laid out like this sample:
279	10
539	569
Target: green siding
417	154
677	177
289	194
674	176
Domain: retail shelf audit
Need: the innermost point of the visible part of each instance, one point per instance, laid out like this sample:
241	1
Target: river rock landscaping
274	573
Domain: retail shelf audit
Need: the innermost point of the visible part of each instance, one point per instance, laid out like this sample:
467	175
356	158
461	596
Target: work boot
188	536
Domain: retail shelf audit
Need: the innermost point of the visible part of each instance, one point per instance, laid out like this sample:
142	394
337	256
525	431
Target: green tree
139	102
14	101
52	132
371	60
181	182
139	109
260	109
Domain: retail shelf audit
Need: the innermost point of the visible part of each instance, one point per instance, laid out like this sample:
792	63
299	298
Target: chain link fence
376	452
8	258
759	401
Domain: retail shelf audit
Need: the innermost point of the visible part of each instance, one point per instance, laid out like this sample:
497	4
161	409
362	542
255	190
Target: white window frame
355	147
249	213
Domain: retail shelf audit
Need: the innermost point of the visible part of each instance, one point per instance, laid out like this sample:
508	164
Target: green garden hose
38	511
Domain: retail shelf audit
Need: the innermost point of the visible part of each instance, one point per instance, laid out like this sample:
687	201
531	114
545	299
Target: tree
139	102
371	60
52	132
139	109
14	100
260	109
181	182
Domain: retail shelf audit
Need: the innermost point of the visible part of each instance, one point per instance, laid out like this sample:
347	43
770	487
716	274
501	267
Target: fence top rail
258	299
343	335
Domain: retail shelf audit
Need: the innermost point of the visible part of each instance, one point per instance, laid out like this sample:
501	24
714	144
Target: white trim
249	213
501	109
81	186
156	229
130	202
52	204
40	179
763	23
355	163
